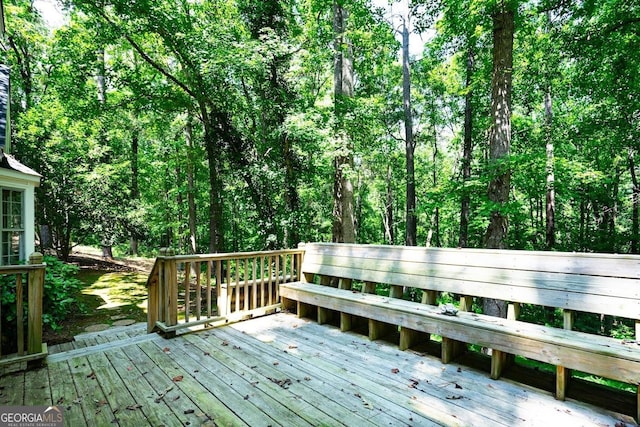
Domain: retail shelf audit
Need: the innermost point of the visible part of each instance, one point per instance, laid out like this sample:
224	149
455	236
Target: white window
12	227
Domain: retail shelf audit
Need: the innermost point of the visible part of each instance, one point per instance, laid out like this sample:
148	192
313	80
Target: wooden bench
593	283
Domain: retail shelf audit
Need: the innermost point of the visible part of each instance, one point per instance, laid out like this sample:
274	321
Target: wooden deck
278	370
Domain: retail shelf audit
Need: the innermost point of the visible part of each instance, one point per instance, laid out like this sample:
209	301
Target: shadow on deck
278	370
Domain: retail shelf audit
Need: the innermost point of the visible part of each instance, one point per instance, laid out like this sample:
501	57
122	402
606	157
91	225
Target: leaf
395	370
166	350
134	407
178	378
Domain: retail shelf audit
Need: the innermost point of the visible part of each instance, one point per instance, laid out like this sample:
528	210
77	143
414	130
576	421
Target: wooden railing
213	289
32	275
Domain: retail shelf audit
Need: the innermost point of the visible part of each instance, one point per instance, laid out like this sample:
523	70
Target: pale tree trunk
635	224
135	188
107	234
388	210
551	192
410	147
343	207
500	139
465	202
191	199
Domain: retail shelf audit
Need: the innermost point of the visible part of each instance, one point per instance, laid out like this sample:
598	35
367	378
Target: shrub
61	289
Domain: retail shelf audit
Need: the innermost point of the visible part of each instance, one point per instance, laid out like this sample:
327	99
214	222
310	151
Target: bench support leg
346	322
498	359
562	380
324	315
409	337
379	329
288	304
563	375
304	310
447	350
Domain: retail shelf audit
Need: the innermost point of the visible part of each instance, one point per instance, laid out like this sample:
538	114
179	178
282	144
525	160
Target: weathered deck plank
164	395
65	394
292	399
237	375
381	410
353	358
90	396
234	390
205	397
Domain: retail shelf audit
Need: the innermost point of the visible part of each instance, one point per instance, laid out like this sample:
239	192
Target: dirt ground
114	291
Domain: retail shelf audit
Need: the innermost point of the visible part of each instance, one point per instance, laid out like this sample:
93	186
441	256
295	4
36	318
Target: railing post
171	283
36	290
153	292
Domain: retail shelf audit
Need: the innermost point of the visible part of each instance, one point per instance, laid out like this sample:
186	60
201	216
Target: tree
500	137
343	208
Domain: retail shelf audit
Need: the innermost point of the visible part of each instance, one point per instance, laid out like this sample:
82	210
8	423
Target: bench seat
601	284
595	354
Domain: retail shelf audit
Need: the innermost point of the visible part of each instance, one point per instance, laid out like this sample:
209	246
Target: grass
107	297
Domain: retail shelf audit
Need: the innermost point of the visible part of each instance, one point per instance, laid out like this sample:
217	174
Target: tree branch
147	58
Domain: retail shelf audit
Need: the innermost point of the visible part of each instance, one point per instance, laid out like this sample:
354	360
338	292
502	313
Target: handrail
35	272
190	290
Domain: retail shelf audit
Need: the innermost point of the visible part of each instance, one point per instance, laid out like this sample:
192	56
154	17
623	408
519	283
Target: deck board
278	370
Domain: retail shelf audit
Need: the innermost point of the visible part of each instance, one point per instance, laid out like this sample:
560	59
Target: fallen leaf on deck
178	378
166	349
395	370
276	363
236	347
92	375
307	379
134	407
293	346
101	402
284	383
454	397
225	343
206	353
458	386
189	411
78	400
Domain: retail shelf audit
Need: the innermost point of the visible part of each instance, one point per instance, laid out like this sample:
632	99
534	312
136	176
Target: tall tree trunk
500	138
635	214
465	202
412	223
551	192
292	199
343	209
107	238
388	210
191	191
214	158
135	188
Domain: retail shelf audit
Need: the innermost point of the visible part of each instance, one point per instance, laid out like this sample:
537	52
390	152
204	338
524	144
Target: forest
231	125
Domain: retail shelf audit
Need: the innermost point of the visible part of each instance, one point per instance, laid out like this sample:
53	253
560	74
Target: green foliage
61	290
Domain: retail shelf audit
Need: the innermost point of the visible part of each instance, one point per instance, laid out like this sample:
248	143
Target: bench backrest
595	283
